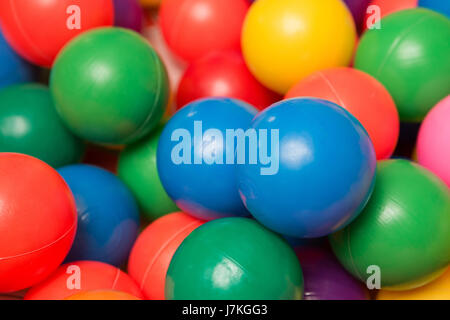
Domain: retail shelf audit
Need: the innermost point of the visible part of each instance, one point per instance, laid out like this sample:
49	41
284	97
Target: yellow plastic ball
284	41
439	289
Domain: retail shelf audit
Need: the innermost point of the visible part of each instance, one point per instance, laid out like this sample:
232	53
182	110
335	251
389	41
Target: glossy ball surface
285	41
154	249
360	94
409	60
320	173
433	141
39	29
89	275
110	86
404	229
193	28
222	74
108	215
234	258
137	169
37	221
192	157
30	125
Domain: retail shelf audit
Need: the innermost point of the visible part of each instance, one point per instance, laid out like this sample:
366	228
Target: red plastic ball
82	276
39	29
154	249
38	221
223	74
193	28
363	96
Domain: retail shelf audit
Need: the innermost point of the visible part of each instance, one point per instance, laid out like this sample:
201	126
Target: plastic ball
110	86
433	143
37	221
234	259
30	125
195	164
108	215
285	41
320	173
22	22
150	3
102	295
438	289
411	63
386	7
81	276
137	169
193	28
404	229
13	69
325	278
154	249
223	74
128	14
360	94
436	5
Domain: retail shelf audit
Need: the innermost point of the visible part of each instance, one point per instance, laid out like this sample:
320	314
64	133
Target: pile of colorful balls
224	149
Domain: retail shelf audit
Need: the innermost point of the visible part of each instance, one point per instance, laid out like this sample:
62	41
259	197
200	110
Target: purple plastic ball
128	14
325	278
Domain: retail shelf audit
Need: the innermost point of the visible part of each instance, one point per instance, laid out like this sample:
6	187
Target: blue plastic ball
13	69
108	216
195	164
322	170
441	6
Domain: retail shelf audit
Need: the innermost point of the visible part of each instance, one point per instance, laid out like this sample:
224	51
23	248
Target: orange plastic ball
154	249
102	295
76	277
361	95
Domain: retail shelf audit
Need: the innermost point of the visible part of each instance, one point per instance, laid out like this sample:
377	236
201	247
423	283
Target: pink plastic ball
433	144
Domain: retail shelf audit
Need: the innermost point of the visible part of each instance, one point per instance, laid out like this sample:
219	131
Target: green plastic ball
29	124
410	55
232	259
110	86
137	169
404	229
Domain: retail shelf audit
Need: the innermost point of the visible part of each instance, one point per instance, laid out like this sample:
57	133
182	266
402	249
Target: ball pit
403	192
433	142
102	295
285	41
93	275
30	125
325	278
309	209
37	225
154	249
123	100
219	22
194	178
107	213
411	63
137	169
222	74
224	150
360	94
38	42
232	258
13	69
